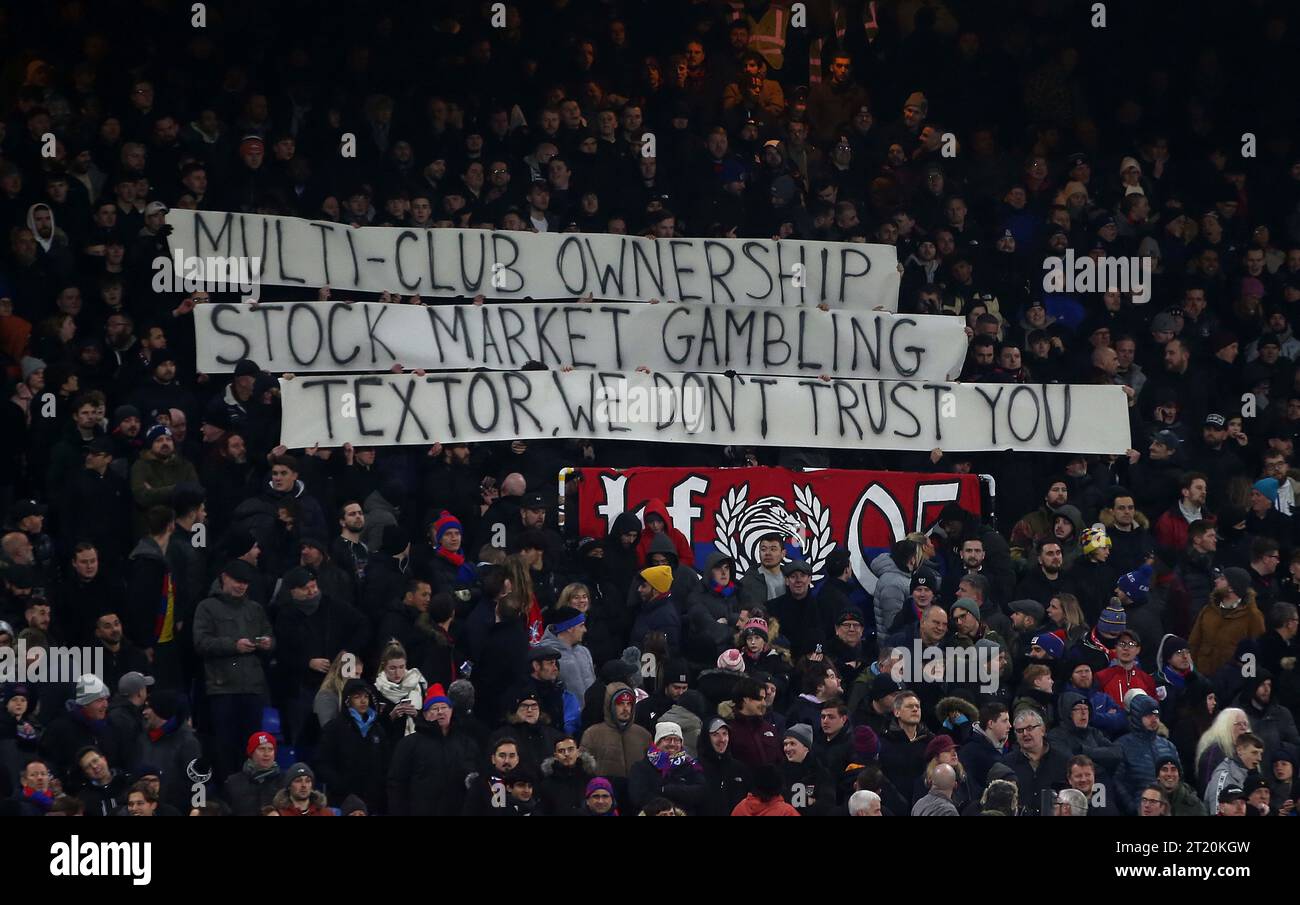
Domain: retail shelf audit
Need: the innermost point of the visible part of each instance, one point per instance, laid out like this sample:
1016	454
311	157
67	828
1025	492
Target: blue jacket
1143	749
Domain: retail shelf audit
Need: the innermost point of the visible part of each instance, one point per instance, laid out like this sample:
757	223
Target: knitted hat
938	745
1136	585
298	770
1170	645
1095	538
1268	487
665	729
167	704
1238	580
866	744
731	661
257	740
658	577
883	685
565	618
756	626
90	688
918	100
158	430
597	785
1112	621
445	522
1052	644
801	733
965	603
436	695
240	542
31	365
924	578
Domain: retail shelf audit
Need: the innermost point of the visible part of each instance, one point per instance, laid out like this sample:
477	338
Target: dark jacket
683	784
978	756
69	732
427	775
103	800
755	741
1090	741
150	591
1051	773
659	615
1143	749
726	779
902	759
333	627
564	789
173	753
248	791
219	623
352	763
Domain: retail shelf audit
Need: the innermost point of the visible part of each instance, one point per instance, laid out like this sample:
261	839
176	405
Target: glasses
499	172
1025	730
1152	801
1128	644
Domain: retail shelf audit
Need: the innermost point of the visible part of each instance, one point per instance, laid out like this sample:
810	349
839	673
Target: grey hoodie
577	671
893	586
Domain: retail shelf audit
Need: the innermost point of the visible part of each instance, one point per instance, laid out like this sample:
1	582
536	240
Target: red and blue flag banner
729	509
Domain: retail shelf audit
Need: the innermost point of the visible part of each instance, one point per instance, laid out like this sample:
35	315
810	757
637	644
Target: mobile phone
262	638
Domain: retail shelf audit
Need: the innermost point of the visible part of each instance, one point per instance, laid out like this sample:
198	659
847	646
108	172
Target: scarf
260	776
664	764
464	571
363	722
166	728
1176	677
723	590
79	715
42	800
410	689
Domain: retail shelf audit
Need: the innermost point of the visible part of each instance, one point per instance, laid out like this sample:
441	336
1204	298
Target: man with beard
157	472
1045	580
1038	523
565	775
120	656
1126	528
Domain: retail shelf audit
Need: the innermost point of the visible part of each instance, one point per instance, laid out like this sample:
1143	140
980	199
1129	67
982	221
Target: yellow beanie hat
658	577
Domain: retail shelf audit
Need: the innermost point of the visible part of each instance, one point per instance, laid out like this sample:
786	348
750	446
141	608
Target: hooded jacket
1273	723
1143	749
681	546
893	587
1067	737
753	806
615	746
726	779
1217	632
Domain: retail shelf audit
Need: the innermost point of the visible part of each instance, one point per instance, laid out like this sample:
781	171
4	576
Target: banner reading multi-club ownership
730	509
696	407
519	265
308	337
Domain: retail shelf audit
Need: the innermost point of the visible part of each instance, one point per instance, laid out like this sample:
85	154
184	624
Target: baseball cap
133	682
533	501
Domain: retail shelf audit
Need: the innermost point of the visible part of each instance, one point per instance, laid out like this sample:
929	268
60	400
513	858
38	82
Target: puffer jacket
1217	632
893	586
1067	737
615	746
1143	749
564	789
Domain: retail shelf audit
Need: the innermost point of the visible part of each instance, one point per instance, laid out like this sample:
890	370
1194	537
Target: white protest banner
521	265
310	337
693	407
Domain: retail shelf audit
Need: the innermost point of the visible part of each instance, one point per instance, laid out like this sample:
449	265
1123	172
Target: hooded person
1074	733
1268	719
712	609
254	786
661	551
667	770
1143	748
893	570
1283	783
726	778
622	556
657	523
1067	529
1230	617
617	742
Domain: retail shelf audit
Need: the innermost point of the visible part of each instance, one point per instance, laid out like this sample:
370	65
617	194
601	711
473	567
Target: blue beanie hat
1137	584
1112	621
1053	644
1268	487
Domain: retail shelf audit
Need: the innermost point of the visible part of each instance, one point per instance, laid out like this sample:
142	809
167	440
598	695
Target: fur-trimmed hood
585	760
961	705
1107	518
282	800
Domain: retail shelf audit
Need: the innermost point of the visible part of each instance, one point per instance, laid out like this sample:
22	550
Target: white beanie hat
665	729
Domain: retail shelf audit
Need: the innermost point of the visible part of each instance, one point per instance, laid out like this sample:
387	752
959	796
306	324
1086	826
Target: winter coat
1116	681
682	783
350	763
150	590
563	789
219	622
659	615
302	637
808	786
752	589
1143	749
535	741
427	775
755	741
1184	802
1074	741
1217	632
248	791
173	753
893	587
103	800
902	759
1051	773
726	778
66	734
978	756
615	747
162	476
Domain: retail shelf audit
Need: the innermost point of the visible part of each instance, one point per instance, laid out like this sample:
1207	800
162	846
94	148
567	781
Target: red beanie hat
436	695
257	740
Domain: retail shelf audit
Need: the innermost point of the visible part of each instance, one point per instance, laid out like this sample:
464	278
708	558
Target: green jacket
219	622
162	476
1184	802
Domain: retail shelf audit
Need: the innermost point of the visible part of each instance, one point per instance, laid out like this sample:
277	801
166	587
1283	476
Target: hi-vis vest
766	35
